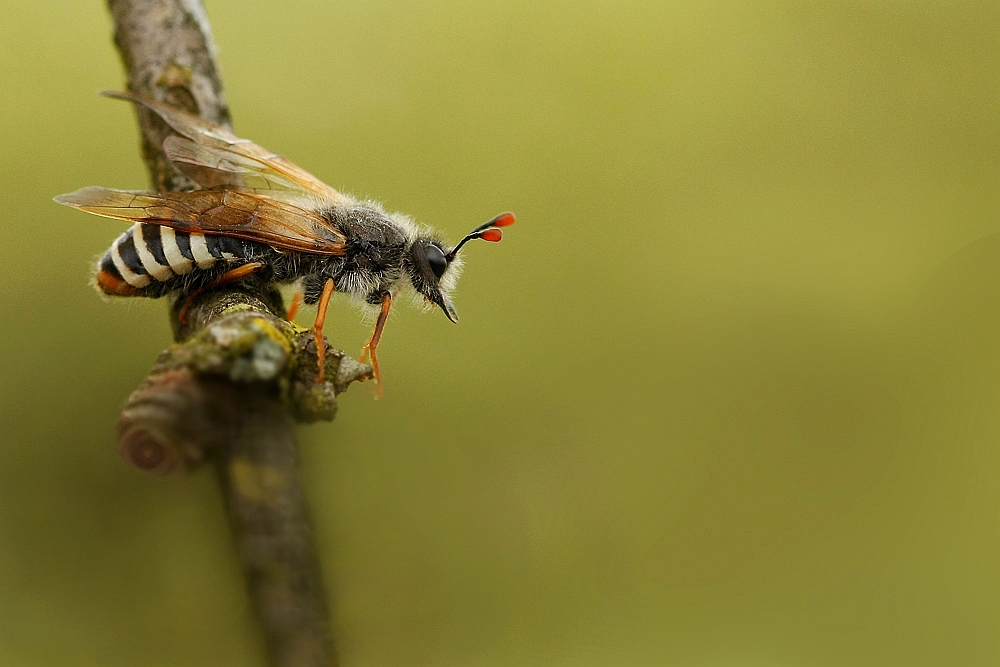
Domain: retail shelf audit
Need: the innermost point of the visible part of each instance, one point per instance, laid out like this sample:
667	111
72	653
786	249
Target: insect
258	214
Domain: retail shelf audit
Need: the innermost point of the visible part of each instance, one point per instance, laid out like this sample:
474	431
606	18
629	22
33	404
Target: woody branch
241	374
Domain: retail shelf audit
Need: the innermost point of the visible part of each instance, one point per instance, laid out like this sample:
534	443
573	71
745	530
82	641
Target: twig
229	390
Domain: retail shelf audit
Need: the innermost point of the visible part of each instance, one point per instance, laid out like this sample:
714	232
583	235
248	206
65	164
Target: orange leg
227	277
324	301
293	307
369	350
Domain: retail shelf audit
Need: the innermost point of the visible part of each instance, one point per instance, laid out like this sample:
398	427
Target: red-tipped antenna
503	220
488	231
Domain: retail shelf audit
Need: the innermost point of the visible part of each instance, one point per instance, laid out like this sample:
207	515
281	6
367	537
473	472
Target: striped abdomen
149	260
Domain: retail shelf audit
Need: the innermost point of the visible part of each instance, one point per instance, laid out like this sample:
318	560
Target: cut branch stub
177	418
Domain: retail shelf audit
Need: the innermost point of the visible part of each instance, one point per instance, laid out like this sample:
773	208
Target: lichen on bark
239	374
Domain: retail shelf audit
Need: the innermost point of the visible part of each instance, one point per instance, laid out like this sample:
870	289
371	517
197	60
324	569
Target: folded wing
238	214
213	156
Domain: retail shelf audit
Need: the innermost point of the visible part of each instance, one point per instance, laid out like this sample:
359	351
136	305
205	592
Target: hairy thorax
373	252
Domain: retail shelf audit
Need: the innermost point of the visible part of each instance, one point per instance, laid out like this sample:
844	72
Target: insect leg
227	277
324	301
293	307
369	350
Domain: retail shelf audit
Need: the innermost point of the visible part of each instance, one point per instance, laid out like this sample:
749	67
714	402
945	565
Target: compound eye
436	260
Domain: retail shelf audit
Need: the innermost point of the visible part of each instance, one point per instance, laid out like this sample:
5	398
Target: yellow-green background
727	394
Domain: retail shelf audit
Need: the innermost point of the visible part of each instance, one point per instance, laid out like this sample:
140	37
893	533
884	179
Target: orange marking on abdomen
109	284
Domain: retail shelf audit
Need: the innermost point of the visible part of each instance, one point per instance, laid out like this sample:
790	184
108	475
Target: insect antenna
488	231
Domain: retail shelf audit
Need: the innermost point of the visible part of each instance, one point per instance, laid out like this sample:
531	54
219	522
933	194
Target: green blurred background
726	395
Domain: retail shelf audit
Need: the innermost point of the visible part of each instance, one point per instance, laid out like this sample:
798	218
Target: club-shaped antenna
488	231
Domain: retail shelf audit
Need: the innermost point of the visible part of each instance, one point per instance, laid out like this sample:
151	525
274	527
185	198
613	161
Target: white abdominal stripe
153	252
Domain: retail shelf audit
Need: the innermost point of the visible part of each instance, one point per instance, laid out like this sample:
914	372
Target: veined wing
213	156
227	212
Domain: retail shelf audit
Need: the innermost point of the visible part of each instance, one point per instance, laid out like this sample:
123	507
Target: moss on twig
239	374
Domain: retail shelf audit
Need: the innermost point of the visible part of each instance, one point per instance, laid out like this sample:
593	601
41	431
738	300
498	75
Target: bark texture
240	375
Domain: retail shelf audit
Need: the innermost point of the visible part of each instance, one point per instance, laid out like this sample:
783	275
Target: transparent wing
213	156
241	215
